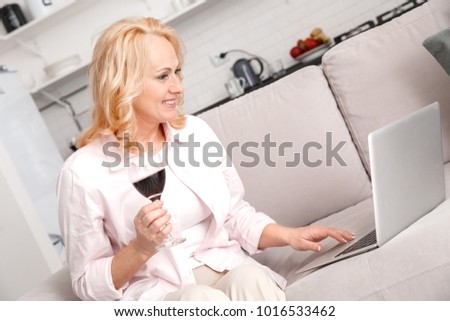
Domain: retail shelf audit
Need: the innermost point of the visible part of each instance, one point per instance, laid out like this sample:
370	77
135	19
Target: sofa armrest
56	288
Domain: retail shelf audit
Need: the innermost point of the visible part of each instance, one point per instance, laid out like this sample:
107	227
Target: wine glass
152	187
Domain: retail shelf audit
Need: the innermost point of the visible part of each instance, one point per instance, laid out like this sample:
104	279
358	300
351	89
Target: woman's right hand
152	224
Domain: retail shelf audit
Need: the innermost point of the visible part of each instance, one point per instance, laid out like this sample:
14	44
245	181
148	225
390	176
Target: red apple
295	52
311	43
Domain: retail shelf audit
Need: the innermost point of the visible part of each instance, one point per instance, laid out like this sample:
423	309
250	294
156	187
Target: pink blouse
97	204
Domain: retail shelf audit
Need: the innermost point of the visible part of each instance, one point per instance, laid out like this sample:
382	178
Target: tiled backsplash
267	28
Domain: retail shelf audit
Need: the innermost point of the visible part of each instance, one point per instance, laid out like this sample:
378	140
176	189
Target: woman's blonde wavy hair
116	73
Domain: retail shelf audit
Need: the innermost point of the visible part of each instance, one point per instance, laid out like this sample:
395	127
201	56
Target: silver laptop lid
407	170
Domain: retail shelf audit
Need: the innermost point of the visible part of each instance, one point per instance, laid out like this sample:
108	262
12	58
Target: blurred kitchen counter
268	81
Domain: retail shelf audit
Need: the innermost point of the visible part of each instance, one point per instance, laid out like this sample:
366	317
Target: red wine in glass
152	187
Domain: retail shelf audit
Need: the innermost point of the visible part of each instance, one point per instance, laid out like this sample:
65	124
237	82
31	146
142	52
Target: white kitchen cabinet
29	167
30	147
28	257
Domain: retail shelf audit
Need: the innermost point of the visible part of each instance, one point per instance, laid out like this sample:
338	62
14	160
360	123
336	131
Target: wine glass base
170	243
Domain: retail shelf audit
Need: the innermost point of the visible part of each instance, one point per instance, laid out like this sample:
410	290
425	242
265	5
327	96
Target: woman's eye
163	76
166	75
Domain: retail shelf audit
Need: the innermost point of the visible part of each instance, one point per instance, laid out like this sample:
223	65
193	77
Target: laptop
407	170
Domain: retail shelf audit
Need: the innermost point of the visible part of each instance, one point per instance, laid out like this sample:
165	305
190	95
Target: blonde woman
112	233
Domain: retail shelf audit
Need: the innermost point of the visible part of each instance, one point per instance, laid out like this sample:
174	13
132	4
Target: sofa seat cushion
296	111
411	266
286	261
385	73
417	258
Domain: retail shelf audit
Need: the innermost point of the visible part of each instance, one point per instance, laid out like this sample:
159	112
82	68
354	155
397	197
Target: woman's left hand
301	238
309	237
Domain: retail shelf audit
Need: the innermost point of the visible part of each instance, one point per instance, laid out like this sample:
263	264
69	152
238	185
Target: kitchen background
46	104
267	28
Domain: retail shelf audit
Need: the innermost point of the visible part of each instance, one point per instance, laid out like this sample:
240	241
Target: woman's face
157	102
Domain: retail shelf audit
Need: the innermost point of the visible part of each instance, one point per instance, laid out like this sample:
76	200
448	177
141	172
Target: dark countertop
290	70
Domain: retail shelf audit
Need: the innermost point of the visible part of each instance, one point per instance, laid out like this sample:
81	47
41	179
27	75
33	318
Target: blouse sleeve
88	249
243	223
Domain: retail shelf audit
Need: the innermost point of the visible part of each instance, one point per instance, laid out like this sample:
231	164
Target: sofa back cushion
292	149
385	73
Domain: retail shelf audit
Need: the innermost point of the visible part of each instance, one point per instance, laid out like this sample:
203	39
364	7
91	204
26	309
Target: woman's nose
176	87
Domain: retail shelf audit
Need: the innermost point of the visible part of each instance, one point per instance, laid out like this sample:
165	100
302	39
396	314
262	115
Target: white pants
248	282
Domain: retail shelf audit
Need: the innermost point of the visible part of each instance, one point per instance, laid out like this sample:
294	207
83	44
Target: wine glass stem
169	241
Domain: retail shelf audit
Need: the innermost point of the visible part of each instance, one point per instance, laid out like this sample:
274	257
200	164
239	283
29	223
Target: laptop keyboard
367	240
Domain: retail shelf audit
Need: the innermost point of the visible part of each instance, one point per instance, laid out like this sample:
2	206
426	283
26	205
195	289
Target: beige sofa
364	83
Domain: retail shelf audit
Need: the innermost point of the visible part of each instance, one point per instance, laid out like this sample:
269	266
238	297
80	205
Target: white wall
268	28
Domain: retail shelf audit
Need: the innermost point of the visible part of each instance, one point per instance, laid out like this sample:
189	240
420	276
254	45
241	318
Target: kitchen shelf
52	83
186	12
37	26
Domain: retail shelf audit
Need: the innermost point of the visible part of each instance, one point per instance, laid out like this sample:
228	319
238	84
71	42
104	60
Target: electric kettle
242	68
